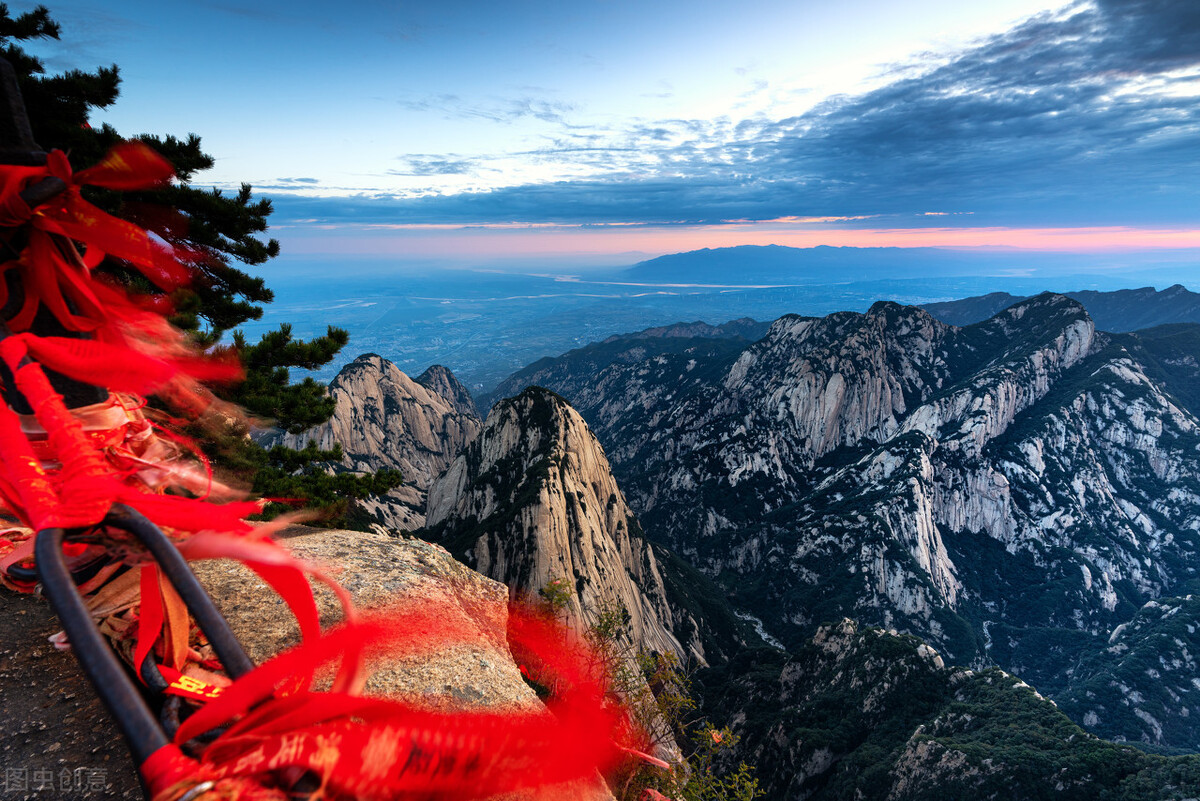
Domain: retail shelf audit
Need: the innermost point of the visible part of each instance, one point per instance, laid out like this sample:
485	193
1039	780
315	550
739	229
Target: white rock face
1078	482
855	384
536	499
382	419
970	417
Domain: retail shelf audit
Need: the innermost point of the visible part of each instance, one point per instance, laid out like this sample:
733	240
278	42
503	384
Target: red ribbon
384	748
52	276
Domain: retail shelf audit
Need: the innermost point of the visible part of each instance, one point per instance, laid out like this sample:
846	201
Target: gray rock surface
382	419
1010	491
533	500
379	570
439	379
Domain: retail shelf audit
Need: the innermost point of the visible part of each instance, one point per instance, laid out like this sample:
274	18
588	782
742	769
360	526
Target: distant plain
486	324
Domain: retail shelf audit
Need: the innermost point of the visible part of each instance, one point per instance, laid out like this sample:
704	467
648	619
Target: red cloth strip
87	487
150	618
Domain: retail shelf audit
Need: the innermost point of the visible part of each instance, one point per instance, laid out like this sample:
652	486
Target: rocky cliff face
383	418
815	387
1010	491
533	500
440	380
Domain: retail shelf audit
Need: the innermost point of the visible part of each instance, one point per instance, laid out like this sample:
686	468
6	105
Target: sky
603	131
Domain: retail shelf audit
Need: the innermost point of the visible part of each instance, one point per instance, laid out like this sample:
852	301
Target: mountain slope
532	501
1108	689
968	311
572	370
382	419
1122	310
440	380
1168	354
858	713
1010	491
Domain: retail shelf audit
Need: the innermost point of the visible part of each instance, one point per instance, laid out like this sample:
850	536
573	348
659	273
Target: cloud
423	165
1087	115
496	109
1067	107
298	181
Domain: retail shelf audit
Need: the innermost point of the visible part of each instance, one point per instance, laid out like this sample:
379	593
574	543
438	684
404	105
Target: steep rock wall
533	500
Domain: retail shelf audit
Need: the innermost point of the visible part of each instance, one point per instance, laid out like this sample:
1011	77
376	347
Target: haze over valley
487	323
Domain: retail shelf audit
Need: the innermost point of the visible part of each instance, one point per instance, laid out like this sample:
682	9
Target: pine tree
226	230
267	391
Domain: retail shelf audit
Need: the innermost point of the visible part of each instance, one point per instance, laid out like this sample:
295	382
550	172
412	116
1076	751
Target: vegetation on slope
862	714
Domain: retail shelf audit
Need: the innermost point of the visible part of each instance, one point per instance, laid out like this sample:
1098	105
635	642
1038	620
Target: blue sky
612	129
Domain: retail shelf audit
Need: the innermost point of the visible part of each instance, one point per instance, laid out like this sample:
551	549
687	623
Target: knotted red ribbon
52	272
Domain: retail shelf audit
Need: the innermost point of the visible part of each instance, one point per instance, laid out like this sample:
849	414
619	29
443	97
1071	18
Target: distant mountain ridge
744	327
781	264
1118	311
825	264
629	348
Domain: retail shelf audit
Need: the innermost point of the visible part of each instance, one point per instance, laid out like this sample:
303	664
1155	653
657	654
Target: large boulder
379	570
